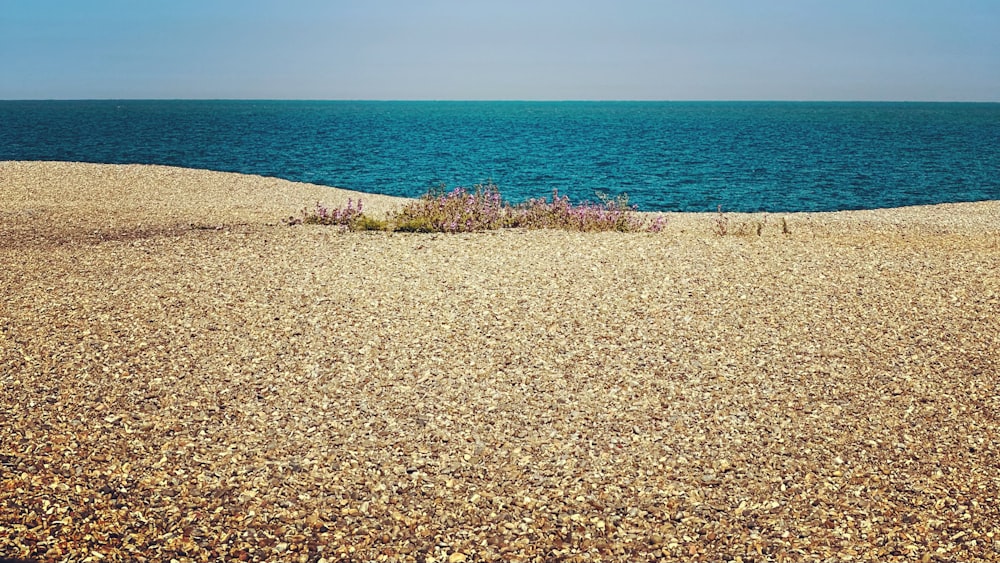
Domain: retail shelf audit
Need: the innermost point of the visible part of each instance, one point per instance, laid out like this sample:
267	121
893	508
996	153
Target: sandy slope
183	376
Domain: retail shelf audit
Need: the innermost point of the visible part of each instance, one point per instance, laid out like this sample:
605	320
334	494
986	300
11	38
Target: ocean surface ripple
667	156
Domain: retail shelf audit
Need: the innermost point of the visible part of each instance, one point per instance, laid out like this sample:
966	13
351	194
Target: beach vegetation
456	211
721	227
367	223
346	217
413	225
610	214
724	225
483	209
750	227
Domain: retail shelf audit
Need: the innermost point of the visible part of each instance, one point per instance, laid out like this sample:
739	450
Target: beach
184	375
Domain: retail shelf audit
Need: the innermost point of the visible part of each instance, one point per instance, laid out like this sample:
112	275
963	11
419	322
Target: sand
184	376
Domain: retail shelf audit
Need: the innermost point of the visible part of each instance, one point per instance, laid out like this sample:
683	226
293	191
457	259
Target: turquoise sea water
667	156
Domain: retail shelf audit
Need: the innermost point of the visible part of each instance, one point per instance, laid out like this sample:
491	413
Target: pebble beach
185	376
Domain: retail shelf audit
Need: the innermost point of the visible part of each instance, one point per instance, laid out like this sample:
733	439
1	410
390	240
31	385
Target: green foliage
366	223
413	225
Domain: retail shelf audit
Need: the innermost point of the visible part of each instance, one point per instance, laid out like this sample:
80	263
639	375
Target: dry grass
247	390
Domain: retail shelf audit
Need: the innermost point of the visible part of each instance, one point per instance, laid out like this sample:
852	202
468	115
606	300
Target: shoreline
142	189
183	376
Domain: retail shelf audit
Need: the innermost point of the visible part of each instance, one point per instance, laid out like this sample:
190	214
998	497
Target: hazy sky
502	49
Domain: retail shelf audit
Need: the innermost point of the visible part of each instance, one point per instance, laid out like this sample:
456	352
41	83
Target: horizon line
514	100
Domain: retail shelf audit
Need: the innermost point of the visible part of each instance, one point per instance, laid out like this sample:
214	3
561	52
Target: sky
944	50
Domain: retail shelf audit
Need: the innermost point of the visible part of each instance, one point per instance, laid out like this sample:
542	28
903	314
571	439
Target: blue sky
509	49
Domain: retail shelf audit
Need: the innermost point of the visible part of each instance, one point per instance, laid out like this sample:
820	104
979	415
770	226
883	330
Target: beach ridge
185	376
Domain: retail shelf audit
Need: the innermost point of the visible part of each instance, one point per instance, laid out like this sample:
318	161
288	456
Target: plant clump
483	209
347	217
457	211
611	214
723	226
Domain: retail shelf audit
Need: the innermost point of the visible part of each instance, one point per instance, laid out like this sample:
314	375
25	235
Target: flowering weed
457	211
346	217
482	209
558	213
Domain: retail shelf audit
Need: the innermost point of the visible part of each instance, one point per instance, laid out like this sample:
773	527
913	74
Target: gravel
185	377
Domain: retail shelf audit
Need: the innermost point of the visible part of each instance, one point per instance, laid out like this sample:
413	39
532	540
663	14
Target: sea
665	156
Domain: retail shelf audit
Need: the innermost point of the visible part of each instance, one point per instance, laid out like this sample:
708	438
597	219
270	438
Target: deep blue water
667	156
